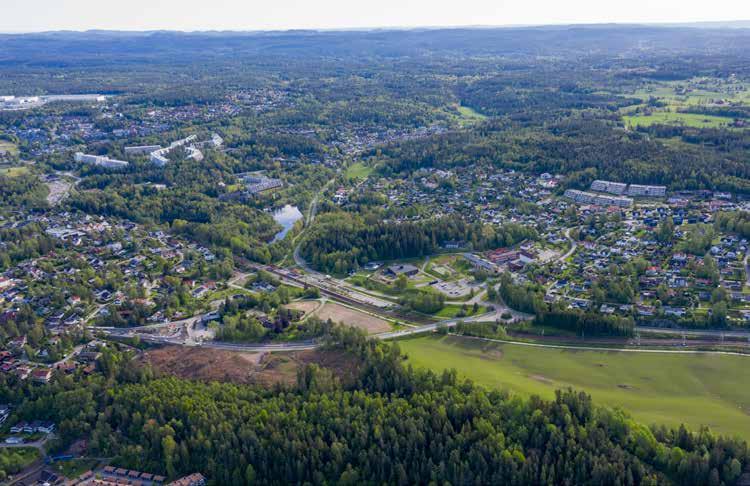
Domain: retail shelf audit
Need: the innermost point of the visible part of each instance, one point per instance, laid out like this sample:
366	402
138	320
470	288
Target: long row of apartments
635	190
100	161
598	199
157	153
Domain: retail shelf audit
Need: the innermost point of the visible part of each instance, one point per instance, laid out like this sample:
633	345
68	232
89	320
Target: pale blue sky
37	15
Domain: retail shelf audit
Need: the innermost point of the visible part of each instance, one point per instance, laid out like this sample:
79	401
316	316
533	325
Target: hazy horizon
32	16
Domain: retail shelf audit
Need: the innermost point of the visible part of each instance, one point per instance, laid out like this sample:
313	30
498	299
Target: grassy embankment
655	388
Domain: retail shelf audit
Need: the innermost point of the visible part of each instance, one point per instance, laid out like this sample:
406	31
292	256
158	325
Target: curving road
573	246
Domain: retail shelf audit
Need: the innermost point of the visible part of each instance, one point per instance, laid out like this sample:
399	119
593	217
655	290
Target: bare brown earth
352	317
305	306
267	369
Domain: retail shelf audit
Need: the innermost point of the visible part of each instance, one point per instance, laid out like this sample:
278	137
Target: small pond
286	217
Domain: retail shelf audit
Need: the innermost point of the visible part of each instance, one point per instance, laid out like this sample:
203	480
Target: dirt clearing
353	317
305	306
268	369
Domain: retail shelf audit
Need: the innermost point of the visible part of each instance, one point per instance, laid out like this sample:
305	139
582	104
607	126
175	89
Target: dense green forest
25	191
392	424
340	242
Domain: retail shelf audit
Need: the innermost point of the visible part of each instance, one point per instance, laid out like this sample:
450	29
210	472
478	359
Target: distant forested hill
101	47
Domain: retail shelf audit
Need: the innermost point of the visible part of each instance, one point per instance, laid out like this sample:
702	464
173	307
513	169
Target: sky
190	15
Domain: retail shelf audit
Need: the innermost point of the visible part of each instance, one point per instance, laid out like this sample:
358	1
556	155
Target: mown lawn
358	171
450	311
655	388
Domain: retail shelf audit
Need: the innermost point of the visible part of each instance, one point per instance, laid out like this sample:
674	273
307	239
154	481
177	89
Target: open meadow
677	118
655	388
8	147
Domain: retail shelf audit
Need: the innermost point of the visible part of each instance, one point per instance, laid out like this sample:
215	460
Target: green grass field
470	113
358	171
450	311
14	171
9	147
673	118
75	467
655	388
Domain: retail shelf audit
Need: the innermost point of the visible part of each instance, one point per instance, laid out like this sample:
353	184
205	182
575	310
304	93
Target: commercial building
402	269
480	263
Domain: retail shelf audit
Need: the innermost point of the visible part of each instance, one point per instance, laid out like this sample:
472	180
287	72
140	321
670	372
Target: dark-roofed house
402	269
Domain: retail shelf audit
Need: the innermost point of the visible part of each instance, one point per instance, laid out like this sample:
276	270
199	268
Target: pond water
286	217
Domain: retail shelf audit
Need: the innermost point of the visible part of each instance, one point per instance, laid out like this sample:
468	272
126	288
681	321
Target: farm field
655	388
674	118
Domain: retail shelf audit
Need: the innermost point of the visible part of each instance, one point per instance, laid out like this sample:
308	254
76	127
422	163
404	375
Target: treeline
22	191
13	460
22	243
340	242
252	318
390	425
584	148
427	301
733	222
733	111
530	299
22	322
195	215
523	96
